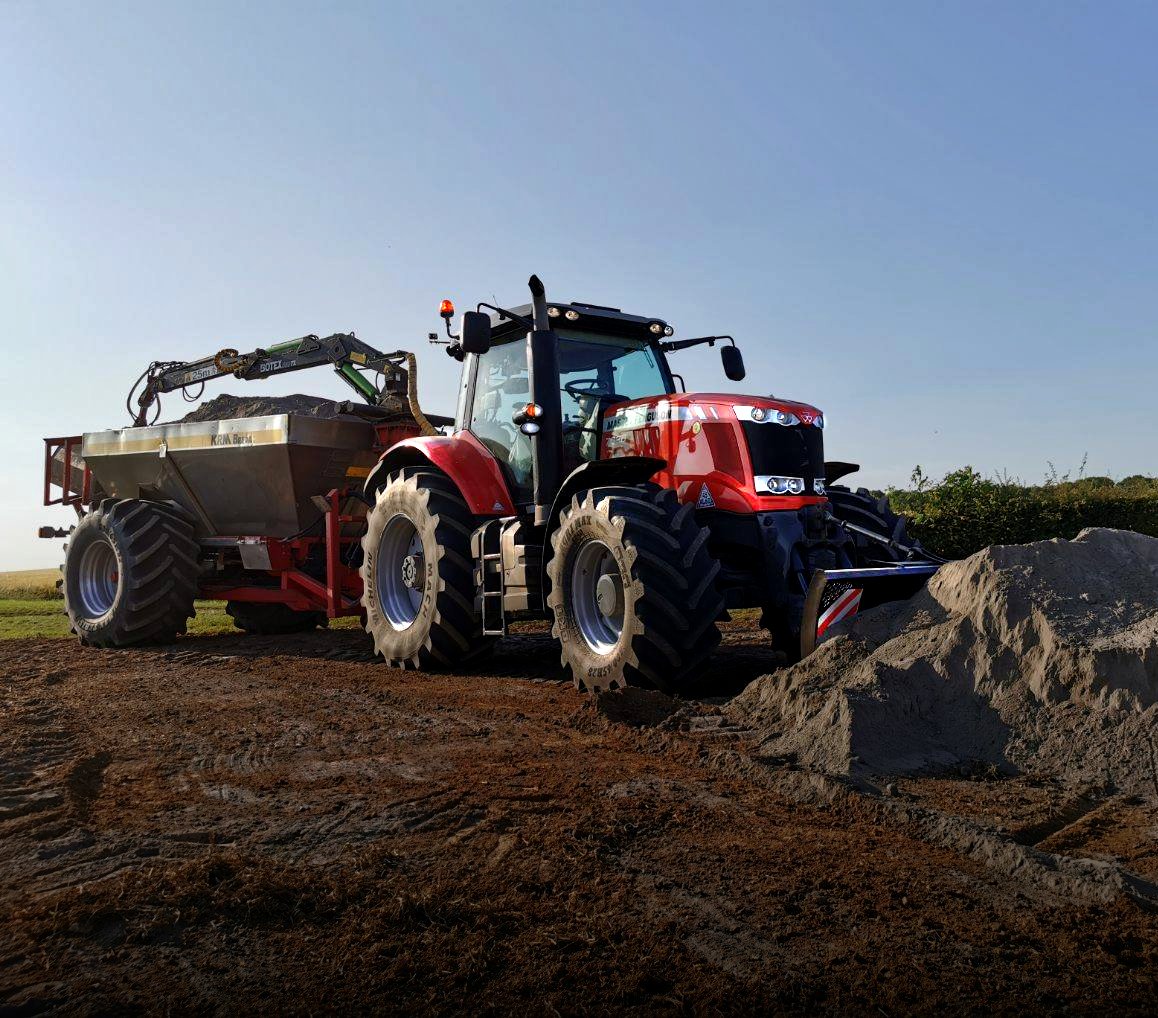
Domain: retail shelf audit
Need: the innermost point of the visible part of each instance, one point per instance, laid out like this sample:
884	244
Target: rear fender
462	457
596	474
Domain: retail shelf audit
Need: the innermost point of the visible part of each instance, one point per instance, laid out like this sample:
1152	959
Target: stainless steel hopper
249	476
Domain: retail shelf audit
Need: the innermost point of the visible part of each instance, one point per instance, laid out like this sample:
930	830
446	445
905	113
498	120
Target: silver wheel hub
98	578
400	572
597	597
413	571
609	595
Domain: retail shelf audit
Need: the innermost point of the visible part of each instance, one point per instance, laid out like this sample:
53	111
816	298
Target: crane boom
344	351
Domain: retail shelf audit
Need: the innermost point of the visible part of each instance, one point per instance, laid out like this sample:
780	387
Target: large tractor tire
272	619
863	509
130	573
632	589
418	573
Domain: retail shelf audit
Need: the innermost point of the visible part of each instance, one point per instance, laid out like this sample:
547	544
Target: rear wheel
130	573
632	589
418	573
272	619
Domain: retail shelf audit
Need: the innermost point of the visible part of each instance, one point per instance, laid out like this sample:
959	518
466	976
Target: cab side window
502	387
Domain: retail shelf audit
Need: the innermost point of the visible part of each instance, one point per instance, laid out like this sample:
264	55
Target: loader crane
348	355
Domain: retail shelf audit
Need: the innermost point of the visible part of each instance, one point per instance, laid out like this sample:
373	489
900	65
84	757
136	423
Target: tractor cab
604	358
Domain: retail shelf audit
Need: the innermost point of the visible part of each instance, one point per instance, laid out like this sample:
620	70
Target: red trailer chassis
339	595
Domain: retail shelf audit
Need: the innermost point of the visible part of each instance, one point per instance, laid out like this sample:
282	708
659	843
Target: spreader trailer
579	484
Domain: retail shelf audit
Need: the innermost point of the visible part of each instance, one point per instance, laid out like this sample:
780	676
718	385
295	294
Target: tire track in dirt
503	836
48	784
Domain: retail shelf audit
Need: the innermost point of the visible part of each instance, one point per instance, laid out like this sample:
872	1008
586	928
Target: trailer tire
864	509
273	619
632	589
130	573
418	573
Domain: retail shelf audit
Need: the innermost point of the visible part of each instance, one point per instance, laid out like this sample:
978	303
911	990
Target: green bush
967	512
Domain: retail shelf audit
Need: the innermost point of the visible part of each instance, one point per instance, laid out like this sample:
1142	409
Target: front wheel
418	574
632	589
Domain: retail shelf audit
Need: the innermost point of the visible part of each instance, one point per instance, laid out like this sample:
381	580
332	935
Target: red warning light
446	309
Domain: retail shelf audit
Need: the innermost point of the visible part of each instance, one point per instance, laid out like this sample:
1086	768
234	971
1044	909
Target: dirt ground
238	823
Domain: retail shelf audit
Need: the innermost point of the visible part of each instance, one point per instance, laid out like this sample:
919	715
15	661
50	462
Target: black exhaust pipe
543	367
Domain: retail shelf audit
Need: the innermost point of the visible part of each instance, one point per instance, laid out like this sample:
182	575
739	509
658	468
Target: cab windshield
595	373
615	367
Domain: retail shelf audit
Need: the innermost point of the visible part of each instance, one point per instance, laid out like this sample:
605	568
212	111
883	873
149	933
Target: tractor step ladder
491	581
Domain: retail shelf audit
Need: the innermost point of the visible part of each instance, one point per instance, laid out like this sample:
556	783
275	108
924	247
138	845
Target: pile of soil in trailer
1038	659
226	407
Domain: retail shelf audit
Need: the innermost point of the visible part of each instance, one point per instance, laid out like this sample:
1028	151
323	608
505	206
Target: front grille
797	451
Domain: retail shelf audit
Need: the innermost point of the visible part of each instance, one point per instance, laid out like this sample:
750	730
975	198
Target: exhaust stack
543	367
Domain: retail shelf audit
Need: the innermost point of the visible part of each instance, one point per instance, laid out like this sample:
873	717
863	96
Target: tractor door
497	387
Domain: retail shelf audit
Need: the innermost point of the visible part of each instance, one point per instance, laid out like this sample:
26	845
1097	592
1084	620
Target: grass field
31	606
24	617
30	585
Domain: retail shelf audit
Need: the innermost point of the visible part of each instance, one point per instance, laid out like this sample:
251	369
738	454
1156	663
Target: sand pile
1039	658
226	407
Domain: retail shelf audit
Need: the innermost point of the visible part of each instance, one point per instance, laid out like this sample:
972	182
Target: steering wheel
591	388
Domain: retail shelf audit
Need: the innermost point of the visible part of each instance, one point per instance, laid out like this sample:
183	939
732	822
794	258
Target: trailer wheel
272	619
418	573
632	589
862	508
130	573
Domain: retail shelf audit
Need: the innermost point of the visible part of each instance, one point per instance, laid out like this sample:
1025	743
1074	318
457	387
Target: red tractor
578	484
583	486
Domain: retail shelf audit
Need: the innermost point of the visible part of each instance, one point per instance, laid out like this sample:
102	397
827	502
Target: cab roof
591	318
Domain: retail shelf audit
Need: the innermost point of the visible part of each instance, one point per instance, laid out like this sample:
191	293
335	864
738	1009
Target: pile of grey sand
1036	659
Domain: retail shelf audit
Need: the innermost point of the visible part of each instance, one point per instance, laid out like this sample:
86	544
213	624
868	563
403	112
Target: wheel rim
597	597
98	578
400	572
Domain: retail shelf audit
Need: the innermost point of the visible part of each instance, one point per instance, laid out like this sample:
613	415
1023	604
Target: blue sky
935	221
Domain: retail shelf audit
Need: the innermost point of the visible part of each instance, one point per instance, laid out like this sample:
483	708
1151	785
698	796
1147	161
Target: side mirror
733	362
475	332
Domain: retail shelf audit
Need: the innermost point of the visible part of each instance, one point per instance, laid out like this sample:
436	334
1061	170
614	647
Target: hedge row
967	512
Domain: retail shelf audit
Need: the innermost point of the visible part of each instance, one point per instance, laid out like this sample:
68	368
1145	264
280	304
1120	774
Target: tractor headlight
571	315
553	312
529	428
772	484
657	328
818	485
767	415
819	422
